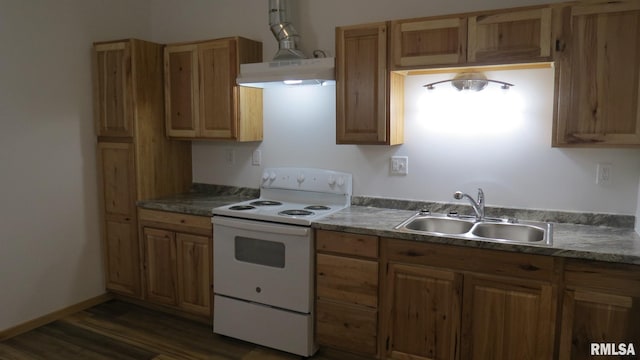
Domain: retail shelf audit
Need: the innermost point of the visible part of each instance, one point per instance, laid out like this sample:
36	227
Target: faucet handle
480	196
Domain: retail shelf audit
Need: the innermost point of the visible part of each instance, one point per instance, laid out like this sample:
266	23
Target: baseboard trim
56	315
208	320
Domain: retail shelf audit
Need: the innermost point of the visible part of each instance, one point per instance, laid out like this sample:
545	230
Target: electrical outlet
604	173
399	165
229	156
256	158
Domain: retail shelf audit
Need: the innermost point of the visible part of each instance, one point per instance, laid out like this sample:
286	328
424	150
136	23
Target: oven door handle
249	225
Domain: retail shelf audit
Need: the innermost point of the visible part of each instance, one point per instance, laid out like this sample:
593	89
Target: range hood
317	71
289	65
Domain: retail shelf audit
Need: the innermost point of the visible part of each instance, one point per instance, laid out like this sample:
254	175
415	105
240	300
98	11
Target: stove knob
272	176
300	178
265	176
332	180
341	181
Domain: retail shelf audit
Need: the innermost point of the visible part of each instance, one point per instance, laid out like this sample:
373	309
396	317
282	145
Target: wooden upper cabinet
369	99
430	41
181	92
113	108
598	75
511	36
493	37
202	98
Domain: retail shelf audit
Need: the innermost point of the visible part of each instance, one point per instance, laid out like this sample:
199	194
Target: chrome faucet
478	206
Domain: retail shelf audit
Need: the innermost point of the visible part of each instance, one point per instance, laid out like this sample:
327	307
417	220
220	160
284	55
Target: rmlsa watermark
612	349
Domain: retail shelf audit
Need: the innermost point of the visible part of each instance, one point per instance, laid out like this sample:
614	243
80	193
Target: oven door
263	262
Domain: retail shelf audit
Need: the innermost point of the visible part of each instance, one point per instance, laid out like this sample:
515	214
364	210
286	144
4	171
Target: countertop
620	245
610	244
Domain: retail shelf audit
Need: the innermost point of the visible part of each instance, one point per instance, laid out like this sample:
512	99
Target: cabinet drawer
201	222
348	244
614	278
490	262
347	279
346	327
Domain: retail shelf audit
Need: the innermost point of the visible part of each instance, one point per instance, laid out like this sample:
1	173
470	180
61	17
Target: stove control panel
307	179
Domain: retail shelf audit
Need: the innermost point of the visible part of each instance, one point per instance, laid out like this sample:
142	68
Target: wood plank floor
120	330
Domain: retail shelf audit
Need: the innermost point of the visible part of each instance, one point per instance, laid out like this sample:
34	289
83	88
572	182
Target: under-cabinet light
475	81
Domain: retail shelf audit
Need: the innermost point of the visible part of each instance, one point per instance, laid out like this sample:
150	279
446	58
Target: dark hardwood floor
120	330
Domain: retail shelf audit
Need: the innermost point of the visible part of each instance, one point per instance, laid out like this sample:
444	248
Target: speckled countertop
621	245
201	200
604	243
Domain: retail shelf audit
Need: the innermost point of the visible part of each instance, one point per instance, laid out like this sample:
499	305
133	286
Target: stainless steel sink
511	232
439	225
501	230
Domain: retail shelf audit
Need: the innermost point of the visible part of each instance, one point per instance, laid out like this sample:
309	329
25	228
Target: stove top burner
317	207
242	207
265	203
296	212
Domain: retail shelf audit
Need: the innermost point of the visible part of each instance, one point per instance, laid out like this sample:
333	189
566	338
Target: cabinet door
117	175
194	273
362	88
218	71
122	257
507	37
117	184
181	90
507	319
160	266
113	108
421	313
349	280
426	42
347	327
598	75
590	316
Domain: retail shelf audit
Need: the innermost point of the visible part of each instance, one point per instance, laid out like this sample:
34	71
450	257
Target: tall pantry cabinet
135	159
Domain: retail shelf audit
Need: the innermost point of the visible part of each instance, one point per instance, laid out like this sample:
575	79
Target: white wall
517	168
511	158
50	249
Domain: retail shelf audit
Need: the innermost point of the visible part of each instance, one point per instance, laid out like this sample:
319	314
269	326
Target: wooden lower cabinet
421	312
194	269
347	327
122	262
160	266
347	292
437	301
449	302
601	305
177	260
507	318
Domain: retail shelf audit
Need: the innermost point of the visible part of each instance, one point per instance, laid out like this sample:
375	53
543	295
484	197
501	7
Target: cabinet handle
560	45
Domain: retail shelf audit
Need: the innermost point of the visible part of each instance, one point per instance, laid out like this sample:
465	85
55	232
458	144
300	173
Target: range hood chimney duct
289	66
283	30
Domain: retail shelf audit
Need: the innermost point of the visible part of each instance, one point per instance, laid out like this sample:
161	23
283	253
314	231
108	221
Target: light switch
399	165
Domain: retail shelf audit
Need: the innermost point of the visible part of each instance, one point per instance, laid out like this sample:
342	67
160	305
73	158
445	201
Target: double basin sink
500	230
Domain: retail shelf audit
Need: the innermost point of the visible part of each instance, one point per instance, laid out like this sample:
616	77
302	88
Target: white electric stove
263	257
